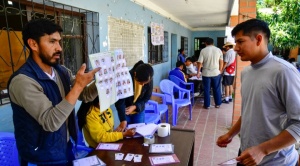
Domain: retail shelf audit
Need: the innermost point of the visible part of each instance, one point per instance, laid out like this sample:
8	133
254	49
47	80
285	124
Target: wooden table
183	141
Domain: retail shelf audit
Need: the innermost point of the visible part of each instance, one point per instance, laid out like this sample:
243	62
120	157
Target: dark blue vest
34	144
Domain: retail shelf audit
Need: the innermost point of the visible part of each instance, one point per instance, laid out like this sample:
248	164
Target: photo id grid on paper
113	80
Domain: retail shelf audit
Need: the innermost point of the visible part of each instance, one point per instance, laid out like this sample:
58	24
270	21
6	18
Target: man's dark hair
143	72
189	59
209	41
252	27
179	63
35	29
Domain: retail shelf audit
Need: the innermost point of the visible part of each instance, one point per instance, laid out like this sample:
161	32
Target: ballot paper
119	156
164	159
89	161
109	146
129	157
137	158
143	129
229	162
161	148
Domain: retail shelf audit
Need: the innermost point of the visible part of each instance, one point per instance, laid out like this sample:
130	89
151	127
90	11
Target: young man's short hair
252	27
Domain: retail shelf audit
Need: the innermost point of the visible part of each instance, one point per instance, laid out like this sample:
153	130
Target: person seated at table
190	68
98	127
178	71
131	109
190	72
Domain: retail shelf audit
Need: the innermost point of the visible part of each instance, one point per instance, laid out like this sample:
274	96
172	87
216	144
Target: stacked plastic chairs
8	150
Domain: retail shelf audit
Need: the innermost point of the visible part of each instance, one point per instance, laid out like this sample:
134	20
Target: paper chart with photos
113	80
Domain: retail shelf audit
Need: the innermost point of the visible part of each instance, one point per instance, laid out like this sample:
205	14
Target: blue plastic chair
186	85
81	149
162	107
167	87
8	149
151	112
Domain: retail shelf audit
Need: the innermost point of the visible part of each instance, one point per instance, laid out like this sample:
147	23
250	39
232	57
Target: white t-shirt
210	57
229	58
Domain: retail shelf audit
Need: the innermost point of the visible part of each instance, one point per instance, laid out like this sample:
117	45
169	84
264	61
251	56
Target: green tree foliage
283	17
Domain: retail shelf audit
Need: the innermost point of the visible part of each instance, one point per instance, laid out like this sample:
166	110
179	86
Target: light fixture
9	2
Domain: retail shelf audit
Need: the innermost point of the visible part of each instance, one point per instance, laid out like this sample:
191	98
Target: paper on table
229	162
195	78
109	146
88	161
161	148
165	159
148	129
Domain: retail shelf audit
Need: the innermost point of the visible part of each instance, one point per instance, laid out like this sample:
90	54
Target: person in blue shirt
178	71
181	55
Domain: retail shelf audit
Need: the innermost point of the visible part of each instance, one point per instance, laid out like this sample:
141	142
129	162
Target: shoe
230	100
225	101
196	94
217	106
206	107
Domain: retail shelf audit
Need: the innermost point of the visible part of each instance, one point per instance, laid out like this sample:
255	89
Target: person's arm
81	81
255	154
141	101
32	98
221	65
97	131
120	106
199	68
225	139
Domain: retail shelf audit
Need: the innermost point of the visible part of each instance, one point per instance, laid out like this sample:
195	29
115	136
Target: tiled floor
208	125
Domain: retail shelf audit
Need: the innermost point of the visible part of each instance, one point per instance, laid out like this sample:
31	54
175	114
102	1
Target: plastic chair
81	149
186	85
151	112
167	87
162	107
8	149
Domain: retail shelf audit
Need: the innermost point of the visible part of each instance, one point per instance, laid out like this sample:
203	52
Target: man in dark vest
43	95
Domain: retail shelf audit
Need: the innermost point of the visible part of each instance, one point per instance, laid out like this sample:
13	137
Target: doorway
173	50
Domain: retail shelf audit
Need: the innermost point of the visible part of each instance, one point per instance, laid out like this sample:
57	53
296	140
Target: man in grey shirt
269	125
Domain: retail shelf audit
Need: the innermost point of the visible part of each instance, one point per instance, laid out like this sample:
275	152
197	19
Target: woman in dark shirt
131	109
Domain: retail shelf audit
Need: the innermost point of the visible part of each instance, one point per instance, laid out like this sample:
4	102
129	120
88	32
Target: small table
183	141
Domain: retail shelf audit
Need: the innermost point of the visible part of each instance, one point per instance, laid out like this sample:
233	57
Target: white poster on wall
157	34
113	80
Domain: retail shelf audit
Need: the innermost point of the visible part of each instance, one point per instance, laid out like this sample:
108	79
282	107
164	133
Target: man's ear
259	39
134	74
33	44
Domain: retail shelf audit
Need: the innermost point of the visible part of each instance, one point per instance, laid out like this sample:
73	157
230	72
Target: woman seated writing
98	127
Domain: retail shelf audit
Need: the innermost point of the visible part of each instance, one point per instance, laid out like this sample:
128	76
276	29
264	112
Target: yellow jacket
99	127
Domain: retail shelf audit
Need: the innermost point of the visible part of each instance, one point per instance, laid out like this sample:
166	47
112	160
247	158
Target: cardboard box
156	98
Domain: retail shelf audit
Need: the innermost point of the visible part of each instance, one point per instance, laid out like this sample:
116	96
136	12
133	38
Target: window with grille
157	54
80	35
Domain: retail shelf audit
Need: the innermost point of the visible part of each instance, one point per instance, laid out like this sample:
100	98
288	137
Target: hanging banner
157	34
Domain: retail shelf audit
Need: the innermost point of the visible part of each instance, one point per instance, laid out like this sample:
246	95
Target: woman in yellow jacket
98	127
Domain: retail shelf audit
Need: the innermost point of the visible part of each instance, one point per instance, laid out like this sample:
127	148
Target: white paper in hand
229	162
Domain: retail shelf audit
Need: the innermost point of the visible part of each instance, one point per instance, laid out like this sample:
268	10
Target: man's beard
47	60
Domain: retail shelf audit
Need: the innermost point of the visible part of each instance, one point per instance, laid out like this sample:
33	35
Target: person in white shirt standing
211	58
228	71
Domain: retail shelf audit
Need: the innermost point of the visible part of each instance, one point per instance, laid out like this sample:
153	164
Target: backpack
231	68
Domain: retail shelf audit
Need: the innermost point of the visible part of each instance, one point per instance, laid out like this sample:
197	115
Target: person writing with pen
98	127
